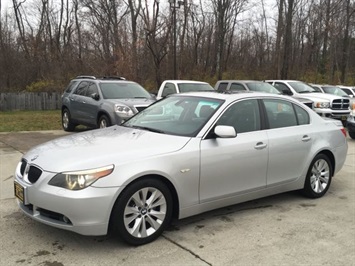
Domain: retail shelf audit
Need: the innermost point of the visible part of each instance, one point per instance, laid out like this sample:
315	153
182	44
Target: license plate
19	192
344	117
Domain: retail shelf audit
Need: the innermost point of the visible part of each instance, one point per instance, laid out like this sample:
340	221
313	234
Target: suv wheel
352	135
66	121
104	121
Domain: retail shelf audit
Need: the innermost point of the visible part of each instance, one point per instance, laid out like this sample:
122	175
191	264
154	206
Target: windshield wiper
149	129
305	91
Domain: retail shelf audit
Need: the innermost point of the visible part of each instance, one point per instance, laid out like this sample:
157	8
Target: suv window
169	88
92	89
81	89
237	87
122	90
283	88
71	86
222	86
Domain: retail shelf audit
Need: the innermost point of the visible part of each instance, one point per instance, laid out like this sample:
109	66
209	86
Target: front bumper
335	114
86	211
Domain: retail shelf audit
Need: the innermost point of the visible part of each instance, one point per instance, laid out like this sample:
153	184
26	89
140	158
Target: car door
290	140
90	105
77	100
230	166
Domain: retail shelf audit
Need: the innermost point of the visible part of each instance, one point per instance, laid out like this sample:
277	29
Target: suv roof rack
113	77
104	77
85	77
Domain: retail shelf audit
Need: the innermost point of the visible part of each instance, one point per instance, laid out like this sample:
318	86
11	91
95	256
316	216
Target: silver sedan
184	155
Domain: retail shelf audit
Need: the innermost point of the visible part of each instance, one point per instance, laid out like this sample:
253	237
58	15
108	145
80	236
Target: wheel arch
65	107
331	158
166	182
100	113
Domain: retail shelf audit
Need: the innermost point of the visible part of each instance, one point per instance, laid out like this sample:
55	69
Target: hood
102	147
318	96
132	101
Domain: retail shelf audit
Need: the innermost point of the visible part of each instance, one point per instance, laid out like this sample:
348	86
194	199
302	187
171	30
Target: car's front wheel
318	177
66	121
104	121
142	212
352	135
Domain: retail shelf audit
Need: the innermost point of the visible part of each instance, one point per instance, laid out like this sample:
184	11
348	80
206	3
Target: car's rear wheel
352	135
104	121
319	177
142	212
66	121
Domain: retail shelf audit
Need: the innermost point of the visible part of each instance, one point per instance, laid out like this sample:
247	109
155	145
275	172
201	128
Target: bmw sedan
186	154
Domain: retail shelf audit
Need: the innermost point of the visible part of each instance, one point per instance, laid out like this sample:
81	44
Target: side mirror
225	131
95	96
286	92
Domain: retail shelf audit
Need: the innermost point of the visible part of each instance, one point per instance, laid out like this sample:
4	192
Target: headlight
321	104
123	109
80	179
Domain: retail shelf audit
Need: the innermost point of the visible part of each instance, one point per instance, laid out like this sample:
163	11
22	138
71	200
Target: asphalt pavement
285	229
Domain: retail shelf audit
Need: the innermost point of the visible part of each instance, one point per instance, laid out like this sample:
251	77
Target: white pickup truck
326	105
178	86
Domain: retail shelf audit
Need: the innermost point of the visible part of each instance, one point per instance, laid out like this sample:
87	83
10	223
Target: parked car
325	105
179	86
184	155
102	102
348	90
253	85
330	89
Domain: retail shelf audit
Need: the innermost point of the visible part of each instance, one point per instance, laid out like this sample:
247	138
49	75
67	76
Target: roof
185	81
235	95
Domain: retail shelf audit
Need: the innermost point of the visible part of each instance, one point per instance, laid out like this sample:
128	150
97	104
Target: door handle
260	146
306	138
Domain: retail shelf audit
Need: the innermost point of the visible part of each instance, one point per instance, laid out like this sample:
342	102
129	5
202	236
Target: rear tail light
343	131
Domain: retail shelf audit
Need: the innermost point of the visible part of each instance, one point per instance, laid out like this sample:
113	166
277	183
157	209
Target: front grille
23	166
33	172
140	108
341	104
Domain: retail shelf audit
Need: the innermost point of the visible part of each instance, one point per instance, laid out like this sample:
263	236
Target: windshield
301	87
335	91
123	90
262	87
176	115
186	87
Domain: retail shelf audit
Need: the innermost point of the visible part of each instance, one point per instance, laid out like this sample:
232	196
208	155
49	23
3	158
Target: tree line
45	43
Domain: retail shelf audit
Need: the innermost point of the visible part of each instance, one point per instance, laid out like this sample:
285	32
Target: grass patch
30	120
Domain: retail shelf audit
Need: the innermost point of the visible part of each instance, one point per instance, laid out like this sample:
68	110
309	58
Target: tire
319	177
66	121
135	219
104	121
352	135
